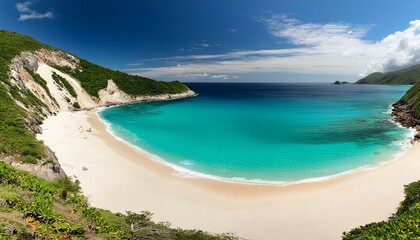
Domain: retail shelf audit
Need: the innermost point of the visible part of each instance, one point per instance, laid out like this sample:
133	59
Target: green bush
404	225
29	159
76	105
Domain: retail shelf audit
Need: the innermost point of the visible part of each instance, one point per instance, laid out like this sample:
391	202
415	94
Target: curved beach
116	177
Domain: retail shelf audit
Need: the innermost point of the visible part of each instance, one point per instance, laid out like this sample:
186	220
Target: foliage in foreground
32	208
404	225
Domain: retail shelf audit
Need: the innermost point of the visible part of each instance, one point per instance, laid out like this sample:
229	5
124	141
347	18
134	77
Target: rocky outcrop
112	95
30	60
403	115
20	77
50	170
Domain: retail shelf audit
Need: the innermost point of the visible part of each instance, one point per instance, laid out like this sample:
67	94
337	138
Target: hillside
405	223
407	76
41	202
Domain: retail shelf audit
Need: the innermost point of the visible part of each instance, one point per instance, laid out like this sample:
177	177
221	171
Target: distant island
338	82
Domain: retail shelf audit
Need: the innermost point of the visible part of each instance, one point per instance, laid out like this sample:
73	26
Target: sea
266	133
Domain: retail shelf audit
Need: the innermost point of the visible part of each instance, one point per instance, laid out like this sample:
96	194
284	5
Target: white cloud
26	13
333	49
313	34
224	76
196	75
401	49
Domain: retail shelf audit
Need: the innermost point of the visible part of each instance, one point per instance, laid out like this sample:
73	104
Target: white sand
119	178
60	96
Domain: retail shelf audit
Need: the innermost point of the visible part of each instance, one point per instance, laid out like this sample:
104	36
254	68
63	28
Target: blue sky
227	40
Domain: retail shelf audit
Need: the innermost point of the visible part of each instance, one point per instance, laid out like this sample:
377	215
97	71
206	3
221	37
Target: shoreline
116	177
187	173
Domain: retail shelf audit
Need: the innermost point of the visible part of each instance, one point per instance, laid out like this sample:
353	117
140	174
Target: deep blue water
266	132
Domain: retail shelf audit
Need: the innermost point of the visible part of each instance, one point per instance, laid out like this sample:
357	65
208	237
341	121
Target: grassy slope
31	208
94	78
412	98
14	137
405	225
407	76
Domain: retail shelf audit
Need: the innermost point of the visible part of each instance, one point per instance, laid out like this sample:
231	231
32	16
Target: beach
117	177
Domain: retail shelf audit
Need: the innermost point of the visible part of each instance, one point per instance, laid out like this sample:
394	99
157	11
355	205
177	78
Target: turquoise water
266	132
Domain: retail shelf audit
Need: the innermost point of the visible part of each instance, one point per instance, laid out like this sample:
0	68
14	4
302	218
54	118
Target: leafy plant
404	225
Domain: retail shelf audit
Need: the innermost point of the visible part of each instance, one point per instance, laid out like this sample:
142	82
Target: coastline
116	177
187	173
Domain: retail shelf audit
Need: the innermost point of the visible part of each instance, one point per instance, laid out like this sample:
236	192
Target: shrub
76	105
29	159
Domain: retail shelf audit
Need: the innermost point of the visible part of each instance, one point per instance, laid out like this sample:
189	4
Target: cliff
38	80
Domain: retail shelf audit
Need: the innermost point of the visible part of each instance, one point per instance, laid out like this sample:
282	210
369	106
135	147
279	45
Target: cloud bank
26	13
400	50
337	49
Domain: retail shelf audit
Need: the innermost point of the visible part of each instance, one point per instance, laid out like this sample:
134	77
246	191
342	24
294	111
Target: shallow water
266	132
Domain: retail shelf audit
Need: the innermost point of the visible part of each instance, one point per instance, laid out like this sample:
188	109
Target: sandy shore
116	177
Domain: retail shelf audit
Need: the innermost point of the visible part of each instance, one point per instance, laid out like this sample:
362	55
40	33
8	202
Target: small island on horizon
343	82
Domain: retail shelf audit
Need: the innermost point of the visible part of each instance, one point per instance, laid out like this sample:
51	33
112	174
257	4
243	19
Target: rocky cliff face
403	114
19	74
112	95
43	62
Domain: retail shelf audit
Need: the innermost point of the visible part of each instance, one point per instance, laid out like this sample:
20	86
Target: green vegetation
407	76
404	225
412	98
14	137
12	44
31	208
76	105
94	78
64	83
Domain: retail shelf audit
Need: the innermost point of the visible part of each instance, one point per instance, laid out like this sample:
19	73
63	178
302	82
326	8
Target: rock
403	115
29	61
112	95
84	168
56	168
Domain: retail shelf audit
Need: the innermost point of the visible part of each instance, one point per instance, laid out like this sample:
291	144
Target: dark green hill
407	76
412	100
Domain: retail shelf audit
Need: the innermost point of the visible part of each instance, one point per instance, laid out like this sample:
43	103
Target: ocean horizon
266	133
